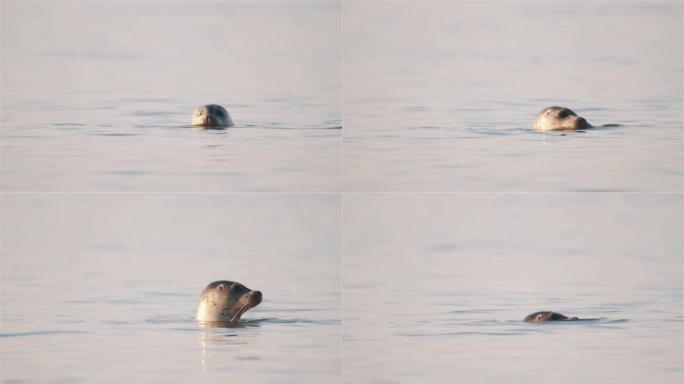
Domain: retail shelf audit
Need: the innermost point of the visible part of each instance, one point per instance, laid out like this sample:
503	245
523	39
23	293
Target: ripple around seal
41	333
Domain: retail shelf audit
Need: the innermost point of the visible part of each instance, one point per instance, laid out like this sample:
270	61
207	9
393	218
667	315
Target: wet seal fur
559	119
211	116
225	301
544	316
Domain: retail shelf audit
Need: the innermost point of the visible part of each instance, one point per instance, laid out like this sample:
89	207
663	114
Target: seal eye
563	114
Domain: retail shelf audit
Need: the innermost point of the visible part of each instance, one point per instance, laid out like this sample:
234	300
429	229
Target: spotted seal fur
544	316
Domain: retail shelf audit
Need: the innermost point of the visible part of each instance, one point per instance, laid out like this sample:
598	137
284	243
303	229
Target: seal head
559	119
544	316
225	301
211	116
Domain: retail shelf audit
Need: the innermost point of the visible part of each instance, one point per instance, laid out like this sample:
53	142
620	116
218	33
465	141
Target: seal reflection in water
541	317
225	301
211	116
559	119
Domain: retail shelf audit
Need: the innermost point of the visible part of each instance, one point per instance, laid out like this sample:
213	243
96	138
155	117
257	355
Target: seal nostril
257	296
582	122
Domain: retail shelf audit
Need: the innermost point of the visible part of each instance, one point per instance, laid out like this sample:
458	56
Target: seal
559	119
225	301
544	316
211	116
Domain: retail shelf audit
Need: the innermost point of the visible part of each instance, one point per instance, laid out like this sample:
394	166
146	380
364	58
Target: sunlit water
98	96
436	287
441	96
103	288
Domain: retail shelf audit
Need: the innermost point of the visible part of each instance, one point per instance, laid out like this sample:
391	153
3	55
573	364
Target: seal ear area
219	285
548	110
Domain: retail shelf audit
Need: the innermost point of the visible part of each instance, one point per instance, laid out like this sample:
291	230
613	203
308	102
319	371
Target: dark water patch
471	311
274	320
129	172
116	322
68	124
463	333
580	322
592	109
417	109
596	190
257	126
228	324
40	333
242	323
124	301
10	136
299	310
115	134
81	301
188	329
170	320
487	131
426	128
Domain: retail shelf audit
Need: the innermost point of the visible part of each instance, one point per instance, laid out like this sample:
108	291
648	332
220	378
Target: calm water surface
436	287
103	288
438	96
89	105
441	96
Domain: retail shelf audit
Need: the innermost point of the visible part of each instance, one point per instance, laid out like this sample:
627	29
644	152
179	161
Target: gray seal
225	301
211	116
544	316
559	119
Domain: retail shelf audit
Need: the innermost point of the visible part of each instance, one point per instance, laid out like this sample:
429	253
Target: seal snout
582	123
255	297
